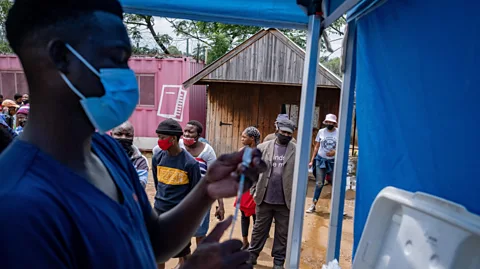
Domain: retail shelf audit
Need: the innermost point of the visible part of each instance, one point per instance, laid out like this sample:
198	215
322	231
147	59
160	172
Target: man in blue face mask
71	195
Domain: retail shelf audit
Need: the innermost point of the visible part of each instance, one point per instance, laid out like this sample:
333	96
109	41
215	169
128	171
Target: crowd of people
181	160
72	192
13	117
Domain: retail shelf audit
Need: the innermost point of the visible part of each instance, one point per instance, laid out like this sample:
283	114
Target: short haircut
254	133
198	125
1	95
17	96
125	125
27	18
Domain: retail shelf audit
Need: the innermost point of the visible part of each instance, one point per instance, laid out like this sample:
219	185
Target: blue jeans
323	167
203	229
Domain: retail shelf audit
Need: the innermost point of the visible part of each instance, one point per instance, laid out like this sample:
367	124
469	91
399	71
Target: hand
223	175
211	254
310	164
331	153
220	213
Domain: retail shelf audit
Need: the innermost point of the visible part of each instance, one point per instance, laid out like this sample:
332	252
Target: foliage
333	65
5	5
218	38
174	50
137	24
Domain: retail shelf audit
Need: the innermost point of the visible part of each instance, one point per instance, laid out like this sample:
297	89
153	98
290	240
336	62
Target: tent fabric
266	13
417	95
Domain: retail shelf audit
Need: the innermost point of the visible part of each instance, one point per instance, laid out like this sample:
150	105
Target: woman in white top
323	156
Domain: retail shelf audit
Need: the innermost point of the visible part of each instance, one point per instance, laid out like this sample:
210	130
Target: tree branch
154	34
327	41
136	23
185	33
333	52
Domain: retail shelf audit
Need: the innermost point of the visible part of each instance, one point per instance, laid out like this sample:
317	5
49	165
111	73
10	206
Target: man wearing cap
175	173
323	156
273	136
273	193
11	109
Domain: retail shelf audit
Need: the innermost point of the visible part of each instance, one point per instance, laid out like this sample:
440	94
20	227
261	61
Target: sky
162	26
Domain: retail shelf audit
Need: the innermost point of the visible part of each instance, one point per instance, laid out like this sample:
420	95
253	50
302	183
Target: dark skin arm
171	231
314	153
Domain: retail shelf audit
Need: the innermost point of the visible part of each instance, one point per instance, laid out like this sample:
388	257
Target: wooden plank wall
243	105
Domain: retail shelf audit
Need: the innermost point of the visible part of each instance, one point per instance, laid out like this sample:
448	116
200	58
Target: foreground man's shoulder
24	209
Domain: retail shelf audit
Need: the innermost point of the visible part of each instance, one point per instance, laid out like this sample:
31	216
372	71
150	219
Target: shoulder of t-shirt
15	162
31	209
210	152
264	145
189	159
112	150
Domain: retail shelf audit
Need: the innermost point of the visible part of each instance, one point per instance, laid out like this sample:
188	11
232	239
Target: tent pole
302	157
343	144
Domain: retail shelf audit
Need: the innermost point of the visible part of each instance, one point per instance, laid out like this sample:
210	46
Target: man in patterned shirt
124	135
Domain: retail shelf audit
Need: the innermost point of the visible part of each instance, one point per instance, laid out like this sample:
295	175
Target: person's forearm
314	153
220	203
173	230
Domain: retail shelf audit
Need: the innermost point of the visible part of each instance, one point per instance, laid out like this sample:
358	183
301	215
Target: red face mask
188	141
164	144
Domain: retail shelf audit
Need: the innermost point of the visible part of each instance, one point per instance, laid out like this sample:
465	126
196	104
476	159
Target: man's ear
58	54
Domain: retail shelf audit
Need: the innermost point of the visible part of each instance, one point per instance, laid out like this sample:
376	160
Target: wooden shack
249	85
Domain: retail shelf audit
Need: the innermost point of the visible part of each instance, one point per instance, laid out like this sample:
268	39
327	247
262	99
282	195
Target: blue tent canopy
272	13
413	65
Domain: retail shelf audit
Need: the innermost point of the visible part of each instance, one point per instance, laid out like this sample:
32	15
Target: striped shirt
204	159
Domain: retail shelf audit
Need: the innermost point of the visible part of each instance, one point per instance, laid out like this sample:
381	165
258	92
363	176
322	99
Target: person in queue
175	174
205	156
273	193
250	138
69	196
22	118
124	135
18	98
10	111
323	156
273	136
1	101
25	99
6	134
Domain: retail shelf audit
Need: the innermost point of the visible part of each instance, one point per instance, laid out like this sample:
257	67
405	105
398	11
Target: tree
137	24
333	65
5	6
218	38
174	50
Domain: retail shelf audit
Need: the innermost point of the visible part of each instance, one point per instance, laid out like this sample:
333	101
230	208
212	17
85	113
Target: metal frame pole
341	158
302	157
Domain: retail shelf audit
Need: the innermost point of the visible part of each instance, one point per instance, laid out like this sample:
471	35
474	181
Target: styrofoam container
407	230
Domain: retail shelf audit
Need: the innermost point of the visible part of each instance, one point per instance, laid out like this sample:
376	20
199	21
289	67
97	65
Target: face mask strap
67	81
80	57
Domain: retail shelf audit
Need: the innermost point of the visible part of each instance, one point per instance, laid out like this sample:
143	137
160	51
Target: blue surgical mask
120	99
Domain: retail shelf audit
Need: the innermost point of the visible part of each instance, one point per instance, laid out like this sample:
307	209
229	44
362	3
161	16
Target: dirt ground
315	231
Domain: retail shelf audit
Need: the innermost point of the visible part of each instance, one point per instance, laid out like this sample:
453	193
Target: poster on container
172	102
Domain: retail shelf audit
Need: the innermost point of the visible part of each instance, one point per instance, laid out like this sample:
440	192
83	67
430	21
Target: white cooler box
407	230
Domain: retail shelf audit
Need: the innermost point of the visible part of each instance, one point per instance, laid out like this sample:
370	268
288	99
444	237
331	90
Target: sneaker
311	209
